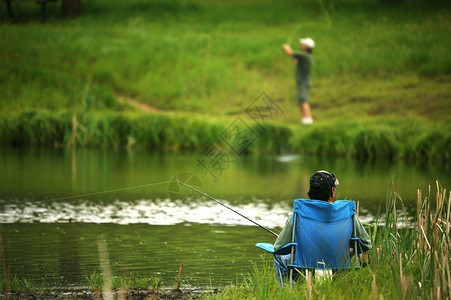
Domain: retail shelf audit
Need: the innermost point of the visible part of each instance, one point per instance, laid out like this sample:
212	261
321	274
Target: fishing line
219	202
108	191
161	183
326	16
290	36
326	13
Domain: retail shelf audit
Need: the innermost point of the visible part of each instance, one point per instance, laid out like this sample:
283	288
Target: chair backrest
322	232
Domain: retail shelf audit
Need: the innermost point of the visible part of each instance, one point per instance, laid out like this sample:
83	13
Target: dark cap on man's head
324	179
321	184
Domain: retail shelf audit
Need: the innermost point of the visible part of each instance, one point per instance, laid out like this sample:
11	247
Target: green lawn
381	75
372	60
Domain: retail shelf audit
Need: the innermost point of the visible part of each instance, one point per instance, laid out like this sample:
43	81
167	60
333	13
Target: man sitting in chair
322	187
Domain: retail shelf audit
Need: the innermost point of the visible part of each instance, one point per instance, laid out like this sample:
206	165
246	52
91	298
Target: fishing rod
219	202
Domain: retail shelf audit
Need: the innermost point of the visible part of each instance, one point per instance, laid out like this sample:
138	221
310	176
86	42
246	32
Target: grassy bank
405	263
372	59
387	138
15	284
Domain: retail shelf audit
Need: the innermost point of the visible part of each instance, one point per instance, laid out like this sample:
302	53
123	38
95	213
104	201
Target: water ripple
147	211
159	212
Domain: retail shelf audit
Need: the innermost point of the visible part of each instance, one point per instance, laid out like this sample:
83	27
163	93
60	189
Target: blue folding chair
321	236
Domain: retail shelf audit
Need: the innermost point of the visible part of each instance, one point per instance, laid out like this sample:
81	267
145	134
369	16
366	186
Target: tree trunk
70	8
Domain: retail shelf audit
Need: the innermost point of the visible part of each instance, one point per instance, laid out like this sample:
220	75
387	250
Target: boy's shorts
302	94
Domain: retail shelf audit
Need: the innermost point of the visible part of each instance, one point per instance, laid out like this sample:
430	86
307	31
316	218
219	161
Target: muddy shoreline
116	295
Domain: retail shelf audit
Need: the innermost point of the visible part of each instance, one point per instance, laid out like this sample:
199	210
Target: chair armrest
266	246
285	249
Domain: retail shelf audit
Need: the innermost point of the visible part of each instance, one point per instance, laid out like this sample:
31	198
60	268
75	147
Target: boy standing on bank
303	61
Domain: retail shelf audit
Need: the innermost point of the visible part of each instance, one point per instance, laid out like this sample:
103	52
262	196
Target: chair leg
292	251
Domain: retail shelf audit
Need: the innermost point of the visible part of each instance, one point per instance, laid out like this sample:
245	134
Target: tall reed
434	243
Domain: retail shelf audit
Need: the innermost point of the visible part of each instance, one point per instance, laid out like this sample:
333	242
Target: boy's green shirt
303	66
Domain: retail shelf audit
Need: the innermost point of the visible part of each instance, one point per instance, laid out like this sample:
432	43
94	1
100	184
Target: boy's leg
302	99
306	110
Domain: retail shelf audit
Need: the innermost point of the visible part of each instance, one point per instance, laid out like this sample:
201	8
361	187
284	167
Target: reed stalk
309	284
434	242
179	278
107	286
374	288
5	275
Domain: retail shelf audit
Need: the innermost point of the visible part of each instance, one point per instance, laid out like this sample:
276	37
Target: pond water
58	206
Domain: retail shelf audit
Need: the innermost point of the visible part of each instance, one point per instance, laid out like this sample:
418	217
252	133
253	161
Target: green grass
372	60
131	282
93	281
22	285
380	80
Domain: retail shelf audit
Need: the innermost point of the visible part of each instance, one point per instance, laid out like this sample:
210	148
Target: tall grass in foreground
410	259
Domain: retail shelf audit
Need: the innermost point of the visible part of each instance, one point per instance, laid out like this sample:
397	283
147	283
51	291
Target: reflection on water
50	232
157	212
63	255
